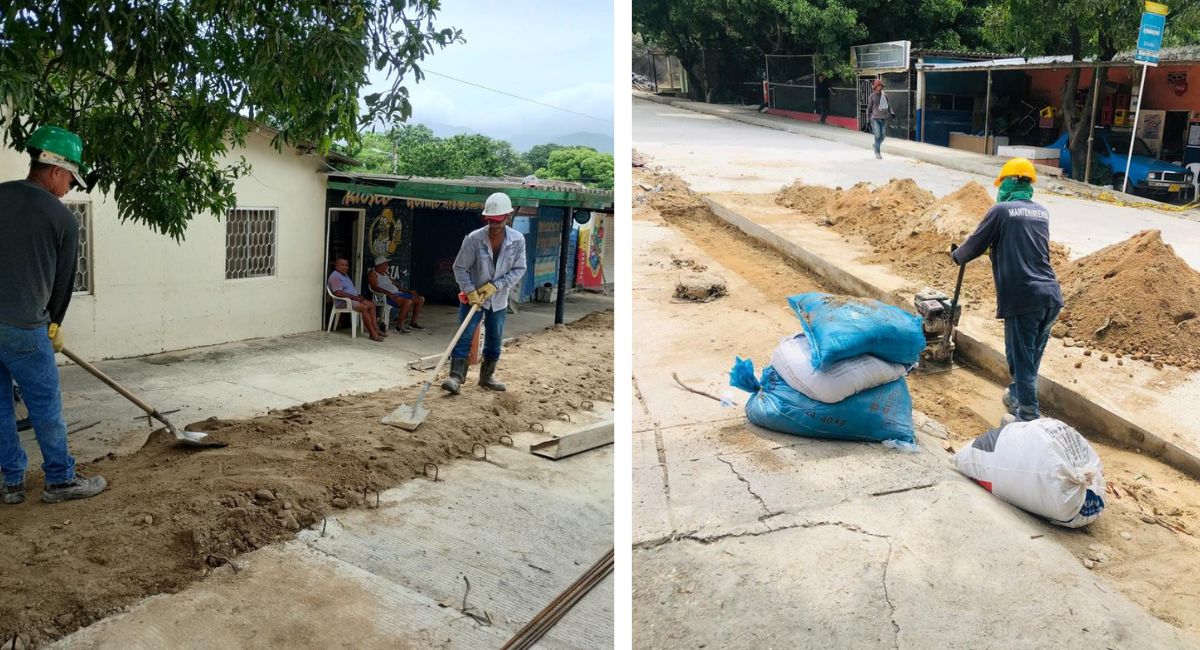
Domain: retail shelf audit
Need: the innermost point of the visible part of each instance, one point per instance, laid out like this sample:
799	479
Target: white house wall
150	294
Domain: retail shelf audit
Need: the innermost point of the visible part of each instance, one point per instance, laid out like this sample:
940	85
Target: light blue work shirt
473	266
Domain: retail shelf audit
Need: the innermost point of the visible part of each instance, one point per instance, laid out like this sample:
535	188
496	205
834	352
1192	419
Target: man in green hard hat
37	276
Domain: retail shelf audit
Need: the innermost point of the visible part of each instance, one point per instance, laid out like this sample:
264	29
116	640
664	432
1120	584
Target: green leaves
581	165
161	92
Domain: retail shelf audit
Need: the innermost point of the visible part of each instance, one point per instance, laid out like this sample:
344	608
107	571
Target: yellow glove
56	336
473	298
486	291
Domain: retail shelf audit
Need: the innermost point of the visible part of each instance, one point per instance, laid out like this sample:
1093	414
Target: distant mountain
597	141
447	130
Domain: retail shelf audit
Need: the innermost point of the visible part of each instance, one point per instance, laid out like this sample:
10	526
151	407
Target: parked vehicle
1147	174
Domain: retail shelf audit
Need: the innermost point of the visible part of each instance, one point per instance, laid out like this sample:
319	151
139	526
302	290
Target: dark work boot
458	374
14	494
486	379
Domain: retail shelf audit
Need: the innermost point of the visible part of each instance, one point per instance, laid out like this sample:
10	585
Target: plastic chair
338	311
1195	169
385	310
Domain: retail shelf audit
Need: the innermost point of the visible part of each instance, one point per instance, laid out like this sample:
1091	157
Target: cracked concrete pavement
747	538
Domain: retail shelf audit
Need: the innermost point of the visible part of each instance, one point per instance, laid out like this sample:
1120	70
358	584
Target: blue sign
1150	36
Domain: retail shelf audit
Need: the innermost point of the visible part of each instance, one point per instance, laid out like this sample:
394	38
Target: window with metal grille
250	243
83	268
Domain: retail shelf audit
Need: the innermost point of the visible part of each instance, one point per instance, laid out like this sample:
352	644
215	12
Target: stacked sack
1044	467
842	377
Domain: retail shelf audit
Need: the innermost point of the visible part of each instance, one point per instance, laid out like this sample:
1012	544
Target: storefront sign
356	198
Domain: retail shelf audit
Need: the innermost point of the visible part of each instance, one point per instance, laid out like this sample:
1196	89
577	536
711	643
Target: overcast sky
560	53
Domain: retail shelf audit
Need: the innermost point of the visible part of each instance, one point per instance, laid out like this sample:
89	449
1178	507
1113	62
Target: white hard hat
497	204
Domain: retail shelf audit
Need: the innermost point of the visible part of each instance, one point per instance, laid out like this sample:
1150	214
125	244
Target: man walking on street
37	275
823	92
1028	298
490	263
878	111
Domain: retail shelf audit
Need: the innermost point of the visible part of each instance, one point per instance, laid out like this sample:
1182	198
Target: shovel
193	438
410	417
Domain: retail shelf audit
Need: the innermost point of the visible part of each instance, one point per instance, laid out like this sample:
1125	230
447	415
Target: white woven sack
1044	467
792	359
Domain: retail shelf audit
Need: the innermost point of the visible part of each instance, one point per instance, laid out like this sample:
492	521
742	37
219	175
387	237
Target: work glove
56	336
473	298
486	291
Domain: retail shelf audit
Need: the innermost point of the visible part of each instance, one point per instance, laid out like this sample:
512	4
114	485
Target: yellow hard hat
1017	167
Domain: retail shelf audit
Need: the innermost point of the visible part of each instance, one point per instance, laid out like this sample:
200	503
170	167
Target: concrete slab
519	527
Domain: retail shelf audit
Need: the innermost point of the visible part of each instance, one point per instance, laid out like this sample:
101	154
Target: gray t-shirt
1018	232
38	241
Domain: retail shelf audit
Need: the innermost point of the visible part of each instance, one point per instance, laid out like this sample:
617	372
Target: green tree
1085	29
413	150
581	165
162	92
538	156
726	39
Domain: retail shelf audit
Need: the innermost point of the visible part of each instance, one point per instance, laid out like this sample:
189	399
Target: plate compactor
939	315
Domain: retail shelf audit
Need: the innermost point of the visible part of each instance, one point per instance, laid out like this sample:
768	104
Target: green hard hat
65	150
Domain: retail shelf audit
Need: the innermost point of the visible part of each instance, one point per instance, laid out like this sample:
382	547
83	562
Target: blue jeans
493	333
1025	338
878	130
27	357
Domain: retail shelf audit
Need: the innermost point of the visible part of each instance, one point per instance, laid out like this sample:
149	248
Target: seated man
397	297
343	287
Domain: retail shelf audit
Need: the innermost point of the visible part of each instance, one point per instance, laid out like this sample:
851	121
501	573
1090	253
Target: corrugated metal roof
961	54
1176	54
491	182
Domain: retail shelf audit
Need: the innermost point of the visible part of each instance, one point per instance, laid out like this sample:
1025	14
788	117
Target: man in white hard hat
37	275
490	262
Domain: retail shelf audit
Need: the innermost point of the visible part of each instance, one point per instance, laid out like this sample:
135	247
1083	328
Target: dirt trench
1146	535
172	515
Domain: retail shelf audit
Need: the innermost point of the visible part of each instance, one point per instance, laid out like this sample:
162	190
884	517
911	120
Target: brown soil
911	232
173	513
703	287
1136	297
1158	567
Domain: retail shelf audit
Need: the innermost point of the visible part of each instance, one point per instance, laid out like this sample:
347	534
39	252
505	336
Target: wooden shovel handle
112	383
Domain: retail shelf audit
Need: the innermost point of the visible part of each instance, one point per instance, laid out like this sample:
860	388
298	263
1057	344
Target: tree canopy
162	92
413	150
581	165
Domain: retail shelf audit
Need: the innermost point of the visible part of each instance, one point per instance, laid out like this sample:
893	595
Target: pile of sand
173	514
673	199
1137	298
876	212
957	214
809	199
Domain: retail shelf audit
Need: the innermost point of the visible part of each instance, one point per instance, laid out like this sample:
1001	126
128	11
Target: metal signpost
1150	35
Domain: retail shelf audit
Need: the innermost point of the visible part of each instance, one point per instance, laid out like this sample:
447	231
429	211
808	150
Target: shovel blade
407	417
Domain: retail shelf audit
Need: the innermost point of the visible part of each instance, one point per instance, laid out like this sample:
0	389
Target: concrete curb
984	165
1070	403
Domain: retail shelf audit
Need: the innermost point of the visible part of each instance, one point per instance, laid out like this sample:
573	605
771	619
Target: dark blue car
1147	174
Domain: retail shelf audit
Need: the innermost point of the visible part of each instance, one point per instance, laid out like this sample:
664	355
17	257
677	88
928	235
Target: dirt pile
700	287
809	199
876	212
957	214
672	197
1135	298
173	514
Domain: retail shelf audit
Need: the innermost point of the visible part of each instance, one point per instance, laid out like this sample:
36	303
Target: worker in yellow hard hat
37	276
1017	231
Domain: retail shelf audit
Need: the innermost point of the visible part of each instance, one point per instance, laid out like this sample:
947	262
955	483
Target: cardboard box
975	143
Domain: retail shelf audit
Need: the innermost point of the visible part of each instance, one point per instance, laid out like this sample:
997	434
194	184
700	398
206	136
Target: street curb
1068	402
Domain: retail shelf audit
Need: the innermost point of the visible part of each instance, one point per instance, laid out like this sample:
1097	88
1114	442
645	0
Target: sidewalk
248	378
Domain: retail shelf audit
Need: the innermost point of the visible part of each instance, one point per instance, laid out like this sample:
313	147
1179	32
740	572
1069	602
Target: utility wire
526	99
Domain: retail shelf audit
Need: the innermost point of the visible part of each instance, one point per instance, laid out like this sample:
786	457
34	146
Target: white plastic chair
338	311
1195	169
385	310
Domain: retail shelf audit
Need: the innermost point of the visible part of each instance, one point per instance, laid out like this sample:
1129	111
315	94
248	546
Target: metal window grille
83	267
250	243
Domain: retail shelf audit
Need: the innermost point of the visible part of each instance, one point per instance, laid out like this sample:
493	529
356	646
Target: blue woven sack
838	328
874	415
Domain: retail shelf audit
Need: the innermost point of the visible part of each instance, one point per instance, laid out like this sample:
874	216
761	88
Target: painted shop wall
147	293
